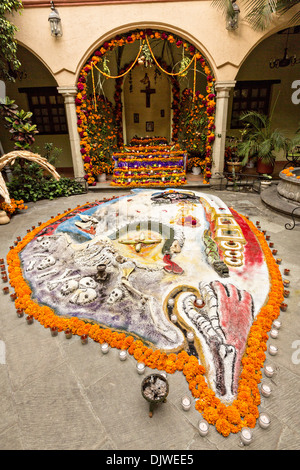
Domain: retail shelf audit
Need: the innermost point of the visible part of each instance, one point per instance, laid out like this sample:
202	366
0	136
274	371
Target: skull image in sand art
137	261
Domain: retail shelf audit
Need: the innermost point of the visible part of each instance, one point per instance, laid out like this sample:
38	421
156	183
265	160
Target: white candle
203	428
273	350
174	318
277	324
269	371
186	403
246	436
104	348
140	368
274	333
190	336
171	302
264	420
123	355
266	390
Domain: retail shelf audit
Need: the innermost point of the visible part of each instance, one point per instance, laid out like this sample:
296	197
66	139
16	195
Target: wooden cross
149	91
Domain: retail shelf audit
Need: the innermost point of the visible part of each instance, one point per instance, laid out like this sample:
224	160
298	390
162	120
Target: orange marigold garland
83	108
227	419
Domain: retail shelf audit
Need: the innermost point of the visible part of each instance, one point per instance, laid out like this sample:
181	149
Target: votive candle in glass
186	403
203	428
277	324
54	331
269	371
266	390
84	339
246	436
273	350
264	420
104	348
29	319
20	312
123	355
68	333
140	367
274	333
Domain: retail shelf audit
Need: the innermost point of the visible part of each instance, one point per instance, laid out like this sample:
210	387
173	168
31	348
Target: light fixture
55	21
232	20
285	61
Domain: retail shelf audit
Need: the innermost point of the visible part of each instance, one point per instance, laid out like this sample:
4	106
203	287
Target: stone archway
180	58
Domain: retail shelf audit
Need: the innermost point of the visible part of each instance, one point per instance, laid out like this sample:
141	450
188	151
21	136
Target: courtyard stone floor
57	394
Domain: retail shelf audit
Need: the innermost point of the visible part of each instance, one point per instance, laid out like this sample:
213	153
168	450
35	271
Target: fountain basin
289	186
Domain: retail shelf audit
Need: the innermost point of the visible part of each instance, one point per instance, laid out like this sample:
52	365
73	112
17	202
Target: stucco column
223	89
69	93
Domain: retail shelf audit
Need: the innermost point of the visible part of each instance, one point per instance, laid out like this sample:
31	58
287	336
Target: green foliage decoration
9	63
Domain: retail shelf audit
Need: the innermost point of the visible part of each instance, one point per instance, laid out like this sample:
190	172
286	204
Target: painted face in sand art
134	262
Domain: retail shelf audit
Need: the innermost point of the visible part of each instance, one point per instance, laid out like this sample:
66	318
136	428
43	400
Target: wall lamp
55	21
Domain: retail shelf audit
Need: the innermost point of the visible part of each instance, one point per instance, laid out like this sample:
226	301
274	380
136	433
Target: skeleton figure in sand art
133	263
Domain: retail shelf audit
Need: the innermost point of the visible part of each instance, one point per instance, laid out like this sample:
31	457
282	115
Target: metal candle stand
151	379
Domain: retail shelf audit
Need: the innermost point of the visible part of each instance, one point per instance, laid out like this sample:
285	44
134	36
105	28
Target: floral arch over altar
100	121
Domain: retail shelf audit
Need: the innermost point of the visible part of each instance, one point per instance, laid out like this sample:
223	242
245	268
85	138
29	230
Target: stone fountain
289	186
284	197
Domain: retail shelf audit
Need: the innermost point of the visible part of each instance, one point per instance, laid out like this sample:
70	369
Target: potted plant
260	141
195	164
232	159
102	167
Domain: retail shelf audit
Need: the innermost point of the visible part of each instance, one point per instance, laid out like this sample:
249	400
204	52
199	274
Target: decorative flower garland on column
142	36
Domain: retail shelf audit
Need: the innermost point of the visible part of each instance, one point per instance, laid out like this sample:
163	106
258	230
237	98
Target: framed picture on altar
149	126
136	118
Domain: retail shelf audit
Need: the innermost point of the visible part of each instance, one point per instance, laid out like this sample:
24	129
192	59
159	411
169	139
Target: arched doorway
110	97
35	90
264	84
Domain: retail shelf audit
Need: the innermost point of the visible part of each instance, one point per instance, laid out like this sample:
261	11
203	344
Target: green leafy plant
30	183
9	63
260	140
45	188
19	124
260	13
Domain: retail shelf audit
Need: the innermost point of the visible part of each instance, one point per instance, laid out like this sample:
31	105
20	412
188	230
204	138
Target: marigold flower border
227	419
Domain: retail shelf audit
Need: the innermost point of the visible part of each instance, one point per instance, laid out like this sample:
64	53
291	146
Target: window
250	96
48	109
